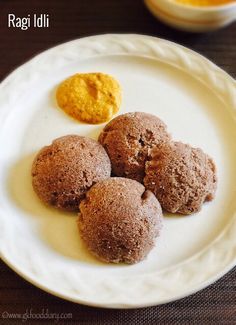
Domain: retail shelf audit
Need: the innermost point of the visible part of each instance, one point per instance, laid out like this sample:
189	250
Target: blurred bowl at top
194	15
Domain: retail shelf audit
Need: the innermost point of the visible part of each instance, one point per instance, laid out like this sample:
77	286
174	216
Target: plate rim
117	305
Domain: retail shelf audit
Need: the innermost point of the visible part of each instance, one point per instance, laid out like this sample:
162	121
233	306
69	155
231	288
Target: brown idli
119	220
128	139
63	171
181	177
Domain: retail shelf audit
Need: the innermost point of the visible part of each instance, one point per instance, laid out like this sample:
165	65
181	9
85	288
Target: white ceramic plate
196	100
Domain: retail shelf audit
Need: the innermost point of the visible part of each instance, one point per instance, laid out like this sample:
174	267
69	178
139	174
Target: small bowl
192	18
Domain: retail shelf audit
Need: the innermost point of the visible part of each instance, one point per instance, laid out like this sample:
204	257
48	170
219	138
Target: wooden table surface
74	19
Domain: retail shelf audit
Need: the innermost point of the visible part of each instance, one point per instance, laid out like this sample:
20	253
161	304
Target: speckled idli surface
119	220
181	177
128	139
63	171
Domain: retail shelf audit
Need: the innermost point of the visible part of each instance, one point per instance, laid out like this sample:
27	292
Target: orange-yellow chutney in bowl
200	3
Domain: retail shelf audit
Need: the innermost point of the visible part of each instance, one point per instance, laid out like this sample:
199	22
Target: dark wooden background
73	19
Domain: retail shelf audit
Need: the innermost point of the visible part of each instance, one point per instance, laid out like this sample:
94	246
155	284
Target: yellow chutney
200	3
89	97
